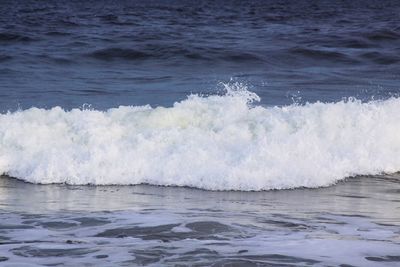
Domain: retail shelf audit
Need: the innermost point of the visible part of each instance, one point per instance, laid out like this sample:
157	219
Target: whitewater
215	142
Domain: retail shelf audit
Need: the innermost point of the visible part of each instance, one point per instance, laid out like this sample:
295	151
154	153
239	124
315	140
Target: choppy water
217	95
108	53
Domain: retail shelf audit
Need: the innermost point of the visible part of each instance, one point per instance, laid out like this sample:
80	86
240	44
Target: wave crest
217	142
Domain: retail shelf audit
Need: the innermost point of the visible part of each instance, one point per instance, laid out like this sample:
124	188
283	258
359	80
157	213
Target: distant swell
216	142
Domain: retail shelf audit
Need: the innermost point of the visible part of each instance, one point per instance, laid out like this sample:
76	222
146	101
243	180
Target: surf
214	142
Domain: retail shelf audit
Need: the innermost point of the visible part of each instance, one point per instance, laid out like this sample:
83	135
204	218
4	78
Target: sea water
261	133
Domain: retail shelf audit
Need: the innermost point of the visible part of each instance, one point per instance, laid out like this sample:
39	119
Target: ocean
199	133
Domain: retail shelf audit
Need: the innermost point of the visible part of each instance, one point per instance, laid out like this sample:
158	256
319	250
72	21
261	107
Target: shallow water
355	222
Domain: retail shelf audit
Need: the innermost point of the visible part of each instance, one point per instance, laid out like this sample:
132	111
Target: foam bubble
214	142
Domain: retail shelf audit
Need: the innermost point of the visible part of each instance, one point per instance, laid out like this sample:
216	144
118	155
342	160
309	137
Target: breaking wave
218	142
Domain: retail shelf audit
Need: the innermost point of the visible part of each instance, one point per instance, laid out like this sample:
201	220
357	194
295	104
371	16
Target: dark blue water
111	53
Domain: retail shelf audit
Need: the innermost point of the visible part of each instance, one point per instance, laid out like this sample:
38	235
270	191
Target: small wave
68	23
382	35
5	58
91	92
109	17
381	58
121	53
57	33
315	54
354	43
162	52
33	10
12	37
218	142
240	57
115	20
53	59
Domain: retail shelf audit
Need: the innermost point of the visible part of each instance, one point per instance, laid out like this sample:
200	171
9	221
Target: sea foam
217	142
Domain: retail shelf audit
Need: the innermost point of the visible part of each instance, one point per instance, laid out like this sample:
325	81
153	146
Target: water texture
202	133
111	53
355	223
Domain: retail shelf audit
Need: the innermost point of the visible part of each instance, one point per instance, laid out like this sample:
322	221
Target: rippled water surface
108	53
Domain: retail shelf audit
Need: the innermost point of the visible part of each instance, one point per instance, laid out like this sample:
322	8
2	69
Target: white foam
215	142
